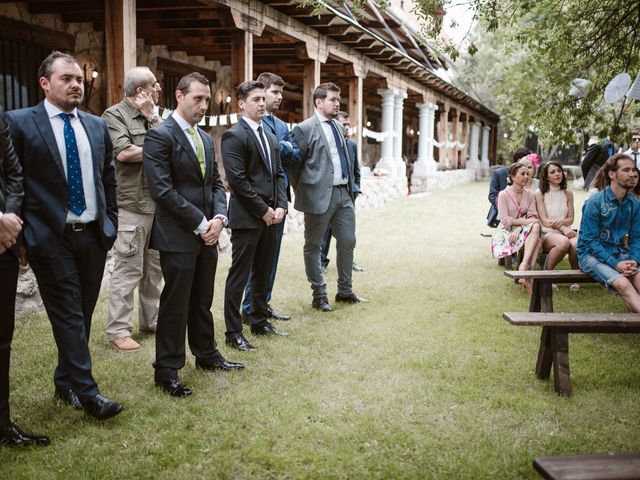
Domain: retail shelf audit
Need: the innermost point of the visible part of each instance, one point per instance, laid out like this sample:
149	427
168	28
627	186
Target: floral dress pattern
500	244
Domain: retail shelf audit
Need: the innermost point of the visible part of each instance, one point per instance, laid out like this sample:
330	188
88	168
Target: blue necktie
341	153
75	188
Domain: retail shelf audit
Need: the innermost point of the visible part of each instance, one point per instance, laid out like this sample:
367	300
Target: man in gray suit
325	192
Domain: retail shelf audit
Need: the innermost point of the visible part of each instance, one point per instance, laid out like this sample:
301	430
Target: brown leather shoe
125	344
350	298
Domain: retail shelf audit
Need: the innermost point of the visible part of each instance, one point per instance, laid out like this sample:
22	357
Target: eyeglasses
635	139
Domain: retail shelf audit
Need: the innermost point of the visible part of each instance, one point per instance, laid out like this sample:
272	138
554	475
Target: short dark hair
520	152
611	165
513	171
184	85
323	89
46	70
242	90
268	79
343	114
544	176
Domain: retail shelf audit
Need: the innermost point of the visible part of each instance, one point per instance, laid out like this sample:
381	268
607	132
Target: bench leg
508	262
545	355
536	292
561	372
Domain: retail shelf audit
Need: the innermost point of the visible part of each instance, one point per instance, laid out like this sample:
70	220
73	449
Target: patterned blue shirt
605	223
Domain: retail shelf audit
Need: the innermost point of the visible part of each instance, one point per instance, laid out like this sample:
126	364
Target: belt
344	185
77	226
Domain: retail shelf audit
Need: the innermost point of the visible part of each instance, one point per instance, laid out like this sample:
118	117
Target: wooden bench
541	281
619	466
554	342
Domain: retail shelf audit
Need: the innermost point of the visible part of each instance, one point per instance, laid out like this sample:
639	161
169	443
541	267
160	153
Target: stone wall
442	180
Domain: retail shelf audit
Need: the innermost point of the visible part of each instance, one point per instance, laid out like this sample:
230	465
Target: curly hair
544	176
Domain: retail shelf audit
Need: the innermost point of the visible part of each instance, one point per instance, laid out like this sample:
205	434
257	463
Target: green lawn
425	381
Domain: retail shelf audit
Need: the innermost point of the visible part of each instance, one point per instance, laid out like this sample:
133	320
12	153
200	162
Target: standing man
191	211
290	157
136	265
70	220
11	195
352	150
257	205
607	218
325	192
634	148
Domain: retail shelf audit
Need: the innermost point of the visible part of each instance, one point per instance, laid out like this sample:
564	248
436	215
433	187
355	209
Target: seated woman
531	161
518	221
555	212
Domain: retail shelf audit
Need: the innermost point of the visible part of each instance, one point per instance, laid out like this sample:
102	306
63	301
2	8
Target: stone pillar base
441	180
424	167
392	167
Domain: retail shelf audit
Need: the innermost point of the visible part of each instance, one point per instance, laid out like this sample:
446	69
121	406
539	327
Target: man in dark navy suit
70	220
290	157
11	195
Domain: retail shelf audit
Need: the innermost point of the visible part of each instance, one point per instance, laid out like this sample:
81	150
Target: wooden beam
310	81
35	35
181	69
241	58
120	45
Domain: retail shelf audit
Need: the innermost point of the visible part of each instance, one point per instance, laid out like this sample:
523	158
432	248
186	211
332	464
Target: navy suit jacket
254	187
352	149
45	183
11	190
289	150
182	195
498	183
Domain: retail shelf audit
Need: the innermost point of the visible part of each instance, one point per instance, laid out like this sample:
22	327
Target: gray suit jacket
313	179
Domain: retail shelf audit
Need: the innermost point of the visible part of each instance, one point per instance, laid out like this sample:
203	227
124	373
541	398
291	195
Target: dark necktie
76	201
341	153
635	157
264	146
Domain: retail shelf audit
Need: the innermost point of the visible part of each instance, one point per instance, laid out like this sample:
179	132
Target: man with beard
70	220
607	218
136	265
325	192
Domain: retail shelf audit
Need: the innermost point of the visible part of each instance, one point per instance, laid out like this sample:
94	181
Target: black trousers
185	305
8	284
69	285
252	251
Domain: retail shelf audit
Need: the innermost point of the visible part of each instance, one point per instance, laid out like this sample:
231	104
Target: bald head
138	77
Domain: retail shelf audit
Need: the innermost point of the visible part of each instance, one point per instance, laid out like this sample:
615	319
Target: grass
425	381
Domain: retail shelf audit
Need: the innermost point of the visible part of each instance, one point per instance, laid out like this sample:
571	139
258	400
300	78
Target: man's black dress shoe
357	268
238	342
68	396
219	363
322	304
276	315
101	407
174	387
268	329
12	435
350	298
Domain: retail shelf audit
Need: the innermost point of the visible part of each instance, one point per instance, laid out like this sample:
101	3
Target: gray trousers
341	215
135	266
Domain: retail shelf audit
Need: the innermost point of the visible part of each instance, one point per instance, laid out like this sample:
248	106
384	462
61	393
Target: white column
425	163
398	132
474	161
388	103
484	158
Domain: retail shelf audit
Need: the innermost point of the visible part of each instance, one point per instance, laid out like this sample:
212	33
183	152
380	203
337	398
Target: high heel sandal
574	287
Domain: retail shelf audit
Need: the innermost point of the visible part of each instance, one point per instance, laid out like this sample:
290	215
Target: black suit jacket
182	195
45	184
11	189
254	188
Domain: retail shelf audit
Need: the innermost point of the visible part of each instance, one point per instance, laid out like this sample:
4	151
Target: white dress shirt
335	156
634	156
254	128
183	124
86	160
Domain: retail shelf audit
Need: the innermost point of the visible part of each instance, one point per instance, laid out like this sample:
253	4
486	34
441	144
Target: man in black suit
191	211
11	195
258	203
70	219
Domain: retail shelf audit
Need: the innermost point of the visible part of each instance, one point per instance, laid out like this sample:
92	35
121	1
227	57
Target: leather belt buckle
78	227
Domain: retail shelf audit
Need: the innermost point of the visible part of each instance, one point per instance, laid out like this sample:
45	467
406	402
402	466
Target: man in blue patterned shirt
608	218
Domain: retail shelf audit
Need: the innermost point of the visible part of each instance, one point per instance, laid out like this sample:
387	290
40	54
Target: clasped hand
10	227
212	231
273	217
628	268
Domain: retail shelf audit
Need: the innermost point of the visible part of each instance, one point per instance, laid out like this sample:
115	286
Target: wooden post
443	130
241	58
355	108
310	81
120	40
